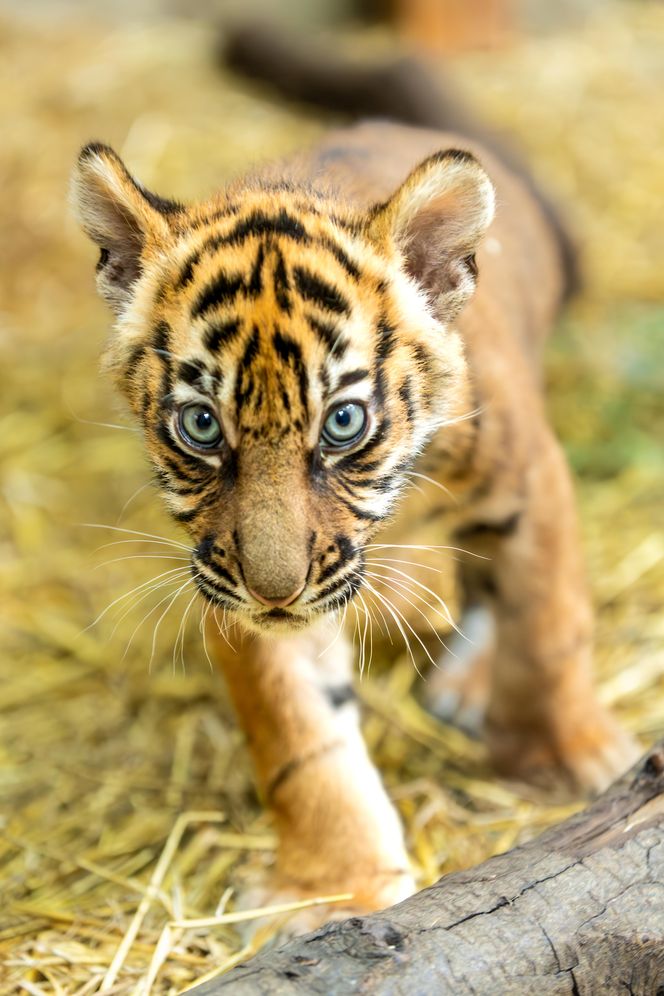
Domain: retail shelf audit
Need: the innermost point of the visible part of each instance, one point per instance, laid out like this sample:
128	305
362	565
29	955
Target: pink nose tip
276	603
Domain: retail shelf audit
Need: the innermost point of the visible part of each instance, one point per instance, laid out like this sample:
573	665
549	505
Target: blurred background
114	747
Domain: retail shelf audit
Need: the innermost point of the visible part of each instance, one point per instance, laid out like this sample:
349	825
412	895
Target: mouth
277	619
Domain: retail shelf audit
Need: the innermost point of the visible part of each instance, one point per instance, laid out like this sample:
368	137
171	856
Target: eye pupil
342	417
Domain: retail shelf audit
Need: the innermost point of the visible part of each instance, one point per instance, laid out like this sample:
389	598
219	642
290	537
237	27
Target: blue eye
344	424
199	426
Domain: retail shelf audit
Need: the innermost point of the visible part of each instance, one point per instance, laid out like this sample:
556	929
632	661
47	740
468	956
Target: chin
276	622
273	624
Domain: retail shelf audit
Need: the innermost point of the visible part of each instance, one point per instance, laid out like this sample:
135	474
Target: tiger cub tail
404	89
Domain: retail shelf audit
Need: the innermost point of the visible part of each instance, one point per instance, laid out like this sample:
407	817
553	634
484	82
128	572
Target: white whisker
161	618
142	542
128	502
149	613
368	622
446	612
465	417
340	627
407	563
140	556
102	425
385	623
205	611
181	632
222	627
394	612
436	484
396	591
363	640
128	594
146	594
399	587
418	546
133	532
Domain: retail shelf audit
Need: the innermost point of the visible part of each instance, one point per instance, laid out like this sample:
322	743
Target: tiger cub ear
437	219
120	216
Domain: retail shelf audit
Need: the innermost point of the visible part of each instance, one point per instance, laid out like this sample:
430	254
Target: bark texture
579	910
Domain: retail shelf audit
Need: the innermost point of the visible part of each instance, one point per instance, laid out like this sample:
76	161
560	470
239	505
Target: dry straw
128	825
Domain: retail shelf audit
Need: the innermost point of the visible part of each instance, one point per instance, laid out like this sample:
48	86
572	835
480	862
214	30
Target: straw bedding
126	805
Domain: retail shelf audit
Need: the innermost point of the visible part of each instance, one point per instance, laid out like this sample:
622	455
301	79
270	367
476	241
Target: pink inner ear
432	252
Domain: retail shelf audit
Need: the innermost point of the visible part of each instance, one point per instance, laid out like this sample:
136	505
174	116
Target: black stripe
357	459
220	334
244	385
314	288
223	288
348	224
337	585
380	484
259	223
386	339
328	335
217	588
186	516
352	377
133	361
360	513
422	356
290	767
187	458
195	489
189	475
161	339
147	402
346	553
255	285
218	215
191	372
219	571
290	353
405	393
187	272
351	268
281	283
285	399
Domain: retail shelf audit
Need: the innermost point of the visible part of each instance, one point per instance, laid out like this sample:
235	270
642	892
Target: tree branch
579	910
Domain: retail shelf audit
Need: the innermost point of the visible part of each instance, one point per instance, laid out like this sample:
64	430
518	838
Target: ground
112	755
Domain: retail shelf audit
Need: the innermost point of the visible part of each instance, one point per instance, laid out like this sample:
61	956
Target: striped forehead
275	315
225	238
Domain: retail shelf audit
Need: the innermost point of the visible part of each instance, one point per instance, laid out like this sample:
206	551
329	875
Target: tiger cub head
287	357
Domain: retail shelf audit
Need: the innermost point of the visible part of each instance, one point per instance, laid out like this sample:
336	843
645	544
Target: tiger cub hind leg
457	689
544	721
338	833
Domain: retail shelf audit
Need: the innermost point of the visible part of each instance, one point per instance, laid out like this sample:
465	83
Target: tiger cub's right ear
121	217
436	220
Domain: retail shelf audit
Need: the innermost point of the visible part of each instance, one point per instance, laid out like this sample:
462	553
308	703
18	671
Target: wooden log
579	910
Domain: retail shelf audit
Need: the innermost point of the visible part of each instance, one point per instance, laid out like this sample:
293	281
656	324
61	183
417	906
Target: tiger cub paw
582	757
279	923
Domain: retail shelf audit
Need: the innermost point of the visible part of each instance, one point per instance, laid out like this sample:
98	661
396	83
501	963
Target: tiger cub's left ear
437	219
121	217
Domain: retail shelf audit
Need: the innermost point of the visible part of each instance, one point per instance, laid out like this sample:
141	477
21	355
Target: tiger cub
294	348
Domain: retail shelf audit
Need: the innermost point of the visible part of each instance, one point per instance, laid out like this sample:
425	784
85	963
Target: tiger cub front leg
337	830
